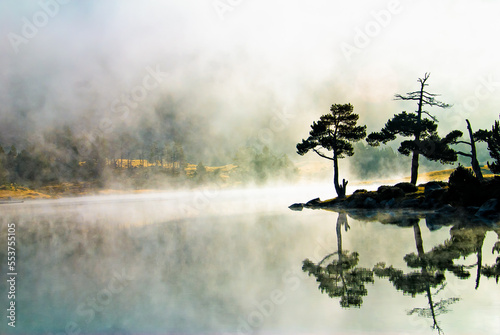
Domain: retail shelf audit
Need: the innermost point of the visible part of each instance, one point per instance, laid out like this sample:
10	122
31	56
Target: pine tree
493	141
334	132
425	140
473	152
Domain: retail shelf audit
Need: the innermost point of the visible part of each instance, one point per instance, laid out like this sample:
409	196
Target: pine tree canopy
494	148
430	145
404	124
334	132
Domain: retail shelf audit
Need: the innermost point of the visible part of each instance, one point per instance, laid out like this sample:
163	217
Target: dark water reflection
425	272
341	277
116	266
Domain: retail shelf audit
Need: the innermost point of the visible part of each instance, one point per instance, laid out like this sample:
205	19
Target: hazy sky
261	69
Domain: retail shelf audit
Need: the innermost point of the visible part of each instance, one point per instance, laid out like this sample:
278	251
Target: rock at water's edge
296	207
489	208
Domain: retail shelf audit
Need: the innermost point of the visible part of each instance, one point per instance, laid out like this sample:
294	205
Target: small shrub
466	186
461	177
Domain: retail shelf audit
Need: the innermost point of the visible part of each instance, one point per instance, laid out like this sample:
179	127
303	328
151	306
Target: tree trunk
479	264
418	239
475	164
416	153
414	168
339	235
420	249
340	189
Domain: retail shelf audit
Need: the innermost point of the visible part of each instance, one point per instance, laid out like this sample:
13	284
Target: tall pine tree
334	132
422	127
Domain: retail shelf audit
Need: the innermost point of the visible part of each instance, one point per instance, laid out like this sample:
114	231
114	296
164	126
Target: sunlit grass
13	191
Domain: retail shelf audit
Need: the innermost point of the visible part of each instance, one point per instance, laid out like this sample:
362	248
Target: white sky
260	56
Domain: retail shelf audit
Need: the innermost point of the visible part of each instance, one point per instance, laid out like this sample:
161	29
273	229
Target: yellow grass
8	192
224	170
19	192
442	175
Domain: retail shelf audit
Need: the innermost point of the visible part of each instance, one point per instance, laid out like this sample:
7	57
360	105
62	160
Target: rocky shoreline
477	202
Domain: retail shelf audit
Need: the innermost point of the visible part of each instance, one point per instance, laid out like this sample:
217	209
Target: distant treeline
60	157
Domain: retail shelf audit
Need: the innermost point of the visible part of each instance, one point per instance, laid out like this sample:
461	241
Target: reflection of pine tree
463	242
341	278
419	282
493	270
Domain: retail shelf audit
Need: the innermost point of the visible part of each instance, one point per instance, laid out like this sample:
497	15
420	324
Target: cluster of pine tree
60	156
338	130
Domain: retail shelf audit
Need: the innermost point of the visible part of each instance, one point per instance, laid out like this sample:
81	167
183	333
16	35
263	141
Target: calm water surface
240	262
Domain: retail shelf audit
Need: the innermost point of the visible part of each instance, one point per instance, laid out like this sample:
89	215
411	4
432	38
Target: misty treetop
334	132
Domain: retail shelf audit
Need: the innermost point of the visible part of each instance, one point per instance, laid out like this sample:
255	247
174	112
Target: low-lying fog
218	261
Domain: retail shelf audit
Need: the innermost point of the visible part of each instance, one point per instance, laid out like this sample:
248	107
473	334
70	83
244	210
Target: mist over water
136	264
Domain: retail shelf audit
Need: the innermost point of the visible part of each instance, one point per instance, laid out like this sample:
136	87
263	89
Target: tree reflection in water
464	241
340	277
419	282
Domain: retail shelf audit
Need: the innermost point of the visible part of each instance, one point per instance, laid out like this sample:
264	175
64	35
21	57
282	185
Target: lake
240	262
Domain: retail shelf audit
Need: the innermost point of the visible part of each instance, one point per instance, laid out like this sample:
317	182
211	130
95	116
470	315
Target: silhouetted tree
493	139
425	140
494	148
473	152
334	132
